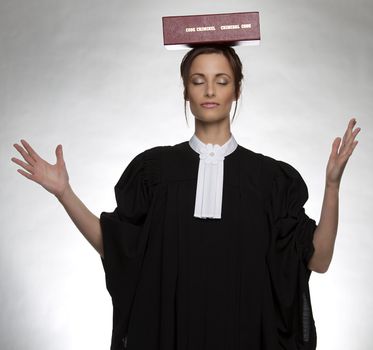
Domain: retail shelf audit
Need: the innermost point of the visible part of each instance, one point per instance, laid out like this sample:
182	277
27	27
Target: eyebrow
219	74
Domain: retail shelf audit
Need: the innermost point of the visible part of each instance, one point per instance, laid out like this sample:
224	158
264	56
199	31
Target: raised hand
338	158
53	177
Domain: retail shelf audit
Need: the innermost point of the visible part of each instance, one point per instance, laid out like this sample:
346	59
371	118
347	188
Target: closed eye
197	83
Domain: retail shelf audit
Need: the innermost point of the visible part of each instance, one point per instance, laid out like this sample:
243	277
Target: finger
352	123
355	132
348	131
24	154
335	146
351	144
351	149
30	150
354	145
25	174
28	167
351	139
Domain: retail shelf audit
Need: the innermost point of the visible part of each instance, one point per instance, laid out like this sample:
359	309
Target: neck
214	133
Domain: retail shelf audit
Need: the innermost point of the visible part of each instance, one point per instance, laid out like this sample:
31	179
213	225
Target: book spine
236	28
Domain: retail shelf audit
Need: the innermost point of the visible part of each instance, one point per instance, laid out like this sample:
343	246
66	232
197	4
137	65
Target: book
233	29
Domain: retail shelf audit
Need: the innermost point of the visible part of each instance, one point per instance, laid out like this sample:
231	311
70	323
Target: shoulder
285	180
161	162
158	152
168	153
153	152
151	155
268	173
280	168
269	167
144	165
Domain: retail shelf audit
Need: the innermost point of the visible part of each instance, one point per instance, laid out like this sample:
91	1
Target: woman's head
201	70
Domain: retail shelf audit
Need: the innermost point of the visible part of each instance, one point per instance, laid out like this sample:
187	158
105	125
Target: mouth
209	105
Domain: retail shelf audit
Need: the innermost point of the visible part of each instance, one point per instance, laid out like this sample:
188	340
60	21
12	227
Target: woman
209	246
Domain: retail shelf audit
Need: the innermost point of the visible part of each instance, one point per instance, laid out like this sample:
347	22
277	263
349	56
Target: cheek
229	97
193	94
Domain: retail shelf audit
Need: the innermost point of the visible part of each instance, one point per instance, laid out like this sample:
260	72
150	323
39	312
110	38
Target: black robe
179	282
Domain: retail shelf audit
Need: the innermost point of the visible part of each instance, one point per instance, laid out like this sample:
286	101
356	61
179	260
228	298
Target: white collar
209	192
212	152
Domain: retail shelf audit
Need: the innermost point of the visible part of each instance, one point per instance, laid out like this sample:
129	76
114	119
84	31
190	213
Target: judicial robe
180	282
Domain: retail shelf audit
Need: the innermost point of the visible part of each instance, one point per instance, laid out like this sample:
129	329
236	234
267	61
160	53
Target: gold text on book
224	27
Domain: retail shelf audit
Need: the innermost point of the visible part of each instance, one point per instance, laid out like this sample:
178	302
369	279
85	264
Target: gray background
95	77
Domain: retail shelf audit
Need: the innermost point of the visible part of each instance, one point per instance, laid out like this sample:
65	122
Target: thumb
59	154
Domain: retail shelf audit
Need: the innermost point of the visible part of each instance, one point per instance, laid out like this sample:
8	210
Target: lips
209	105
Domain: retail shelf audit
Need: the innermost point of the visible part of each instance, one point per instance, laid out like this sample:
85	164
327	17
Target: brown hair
228	52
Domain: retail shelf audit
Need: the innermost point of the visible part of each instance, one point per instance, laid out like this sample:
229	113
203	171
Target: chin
210	119
206	115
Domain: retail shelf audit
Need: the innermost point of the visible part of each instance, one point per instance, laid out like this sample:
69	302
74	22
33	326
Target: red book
233	29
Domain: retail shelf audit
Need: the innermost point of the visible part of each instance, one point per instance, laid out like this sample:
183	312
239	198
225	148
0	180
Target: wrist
64	193
332	185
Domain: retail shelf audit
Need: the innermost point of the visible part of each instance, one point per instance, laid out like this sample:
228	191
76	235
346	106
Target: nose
210	92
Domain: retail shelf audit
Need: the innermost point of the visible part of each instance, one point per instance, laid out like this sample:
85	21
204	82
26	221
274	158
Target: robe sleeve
291	250
124	242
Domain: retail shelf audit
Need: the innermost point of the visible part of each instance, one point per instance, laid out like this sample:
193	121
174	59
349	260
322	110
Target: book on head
233	29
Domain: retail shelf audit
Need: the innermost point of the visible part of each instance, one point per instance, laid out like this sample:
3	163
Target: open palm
340	153
53	177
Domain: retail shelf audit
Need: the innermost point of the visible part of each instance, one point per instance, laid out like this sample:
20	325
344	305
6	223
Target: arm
326	231
55	179
86	222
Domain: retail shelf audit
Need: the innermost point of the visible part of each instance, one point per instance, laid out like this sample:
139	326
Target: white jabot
209	193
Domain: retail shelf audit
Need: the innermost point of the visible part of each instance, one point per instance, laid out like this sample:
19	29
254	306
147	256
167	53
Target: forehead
211	63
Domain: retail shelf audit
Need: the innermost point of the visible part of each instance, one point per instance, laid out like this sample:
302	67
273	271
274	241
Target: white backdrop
95	77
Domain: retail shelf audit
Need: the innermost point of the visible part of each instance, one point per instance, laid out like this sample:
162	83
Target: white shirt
209	193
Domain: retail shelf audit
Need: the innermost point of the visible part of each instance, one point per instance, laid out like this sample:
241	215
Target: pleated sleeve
124	241
291	250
